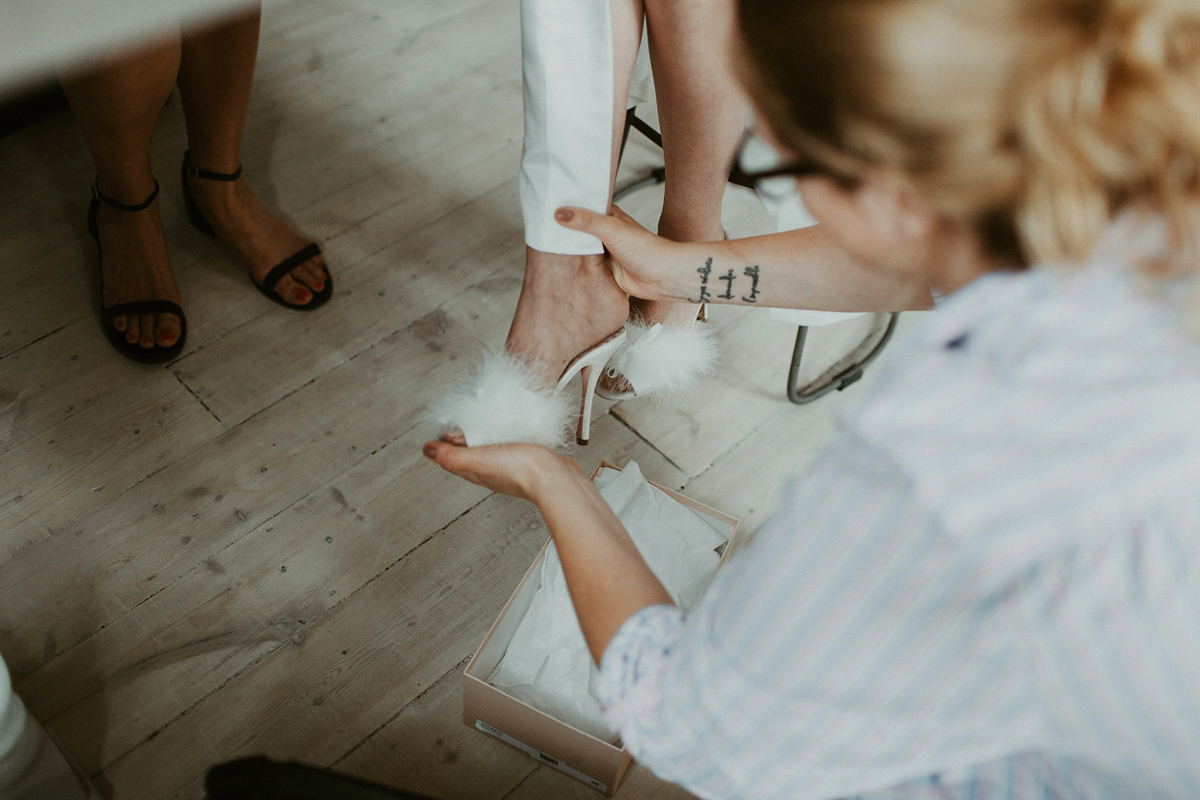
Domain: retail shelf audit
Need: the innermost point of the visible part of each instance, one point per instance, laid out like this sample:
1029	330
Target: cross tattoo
728	278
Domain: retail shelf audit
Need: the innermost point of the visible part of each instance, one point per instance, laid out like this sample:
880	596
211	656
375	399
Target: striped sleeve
634	661
844	650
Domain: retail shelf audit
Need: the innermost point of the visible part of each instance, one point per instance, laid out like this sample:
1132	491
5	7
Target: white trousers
31	766
567	57
567	64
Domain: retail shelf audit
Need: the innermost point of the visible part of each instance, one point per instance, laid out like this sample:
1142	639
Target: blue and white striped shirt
987	586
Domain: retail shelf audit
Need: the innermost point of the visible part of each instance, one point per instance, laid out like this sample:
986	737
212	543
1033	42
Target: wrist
683	281
544	474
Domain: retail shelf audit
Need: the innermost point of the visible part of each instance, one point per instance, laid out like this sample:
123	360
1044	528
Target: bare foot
259	239
135	267
567	304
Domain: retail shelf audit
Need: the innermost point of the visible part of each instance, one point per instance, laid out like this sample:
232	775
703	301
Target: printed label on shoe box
539	755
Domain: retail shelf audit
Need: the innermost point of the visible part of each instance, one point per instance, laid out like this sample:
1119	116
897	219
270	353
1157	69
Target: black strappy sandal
272	279
133	350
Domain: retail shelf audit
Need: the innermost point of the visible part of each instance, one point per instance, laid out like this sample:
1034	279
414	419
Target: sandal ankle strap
207	174
108	201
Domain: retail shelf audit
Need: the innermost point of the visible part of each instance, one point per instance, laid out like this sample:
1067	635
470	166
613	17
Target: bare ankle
129	189
691	227
222	158
560	266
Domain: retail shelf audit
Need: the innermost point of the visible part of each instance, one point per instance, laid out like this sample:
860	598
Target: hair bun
1035	120
1110	115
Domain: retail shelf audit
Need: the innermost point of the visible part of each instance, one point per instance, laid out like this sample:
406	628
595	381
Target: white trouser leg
31	765
567	52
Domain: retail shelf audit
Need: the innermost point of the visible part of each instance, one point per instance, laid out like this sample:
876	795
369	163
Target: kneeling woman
988	585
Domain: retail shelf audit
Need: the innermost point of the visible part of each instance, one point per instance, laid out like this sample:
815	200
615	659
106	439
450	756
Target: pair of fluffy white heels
502	400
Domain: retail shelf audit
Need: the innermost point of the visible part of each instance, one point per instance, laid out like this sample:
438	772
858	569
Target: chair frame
738	177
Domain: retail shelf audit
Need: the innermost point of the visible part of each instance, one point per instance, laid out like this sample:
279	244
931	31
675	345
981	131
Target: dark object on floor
259	778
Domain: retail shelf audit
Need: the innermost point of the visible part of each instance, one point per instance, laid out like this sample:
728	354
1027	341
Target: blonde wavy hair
1034	120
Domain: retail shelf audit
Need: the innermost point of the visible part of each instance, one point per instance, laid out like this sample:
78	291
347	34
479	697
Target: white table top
37	37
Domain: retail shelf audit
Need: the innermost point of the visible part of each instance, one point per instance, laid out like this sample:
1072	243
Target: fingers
513	469
618	212
433	450
602	226
454	437
473	463
450	457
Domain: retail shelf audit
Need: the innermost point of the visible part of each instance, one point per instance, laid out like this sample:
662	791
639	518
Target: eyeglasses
766	180
797	169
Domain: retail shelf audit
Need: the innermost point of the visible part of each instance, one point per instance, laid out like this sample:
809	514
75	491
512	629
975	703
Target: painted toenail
303	295
166	337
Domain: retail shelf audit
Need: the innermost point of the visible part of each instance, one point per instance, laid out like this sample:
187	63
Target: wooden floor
244	551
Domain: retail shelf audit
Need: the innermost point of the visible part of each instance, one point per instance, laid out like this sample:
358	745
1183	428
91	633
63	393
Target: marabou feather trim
503	400
667	360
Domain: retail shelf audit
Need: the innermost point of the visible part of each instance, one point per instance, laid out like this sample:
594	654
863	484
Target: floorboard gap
450	674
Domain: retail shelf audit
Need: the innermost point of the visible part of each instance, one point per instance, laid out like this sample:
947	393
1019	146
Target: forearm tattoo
753	273
704	272
729	277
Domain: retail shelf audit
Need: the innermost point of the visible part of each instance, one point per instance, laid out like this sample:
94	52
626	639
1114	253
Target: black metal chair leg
839	381
657	175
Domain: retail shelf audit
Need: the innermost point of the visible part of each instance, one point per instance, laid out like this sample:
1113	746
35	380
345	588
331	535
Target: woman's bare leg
702	111
216	72
117	105
570	302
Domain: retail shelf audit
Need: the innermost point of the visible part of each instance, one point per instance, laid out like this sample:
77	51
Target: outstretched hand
608	579
513	469
640	260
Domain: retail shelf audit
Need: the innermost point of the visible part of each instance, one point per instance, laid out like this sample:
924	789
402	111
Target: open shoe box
595	762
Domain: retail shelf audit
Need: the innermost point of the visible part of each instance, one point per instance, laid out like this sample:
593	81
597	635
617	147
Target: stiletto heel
590	364
277	273
504	401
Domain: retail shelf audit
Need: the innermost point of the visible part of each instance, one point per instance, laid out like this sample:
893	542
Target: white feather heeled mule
503	400
660	359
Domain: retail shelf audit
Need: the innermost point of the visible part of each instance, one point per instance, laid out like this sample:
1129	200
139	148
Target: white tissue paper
547	664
